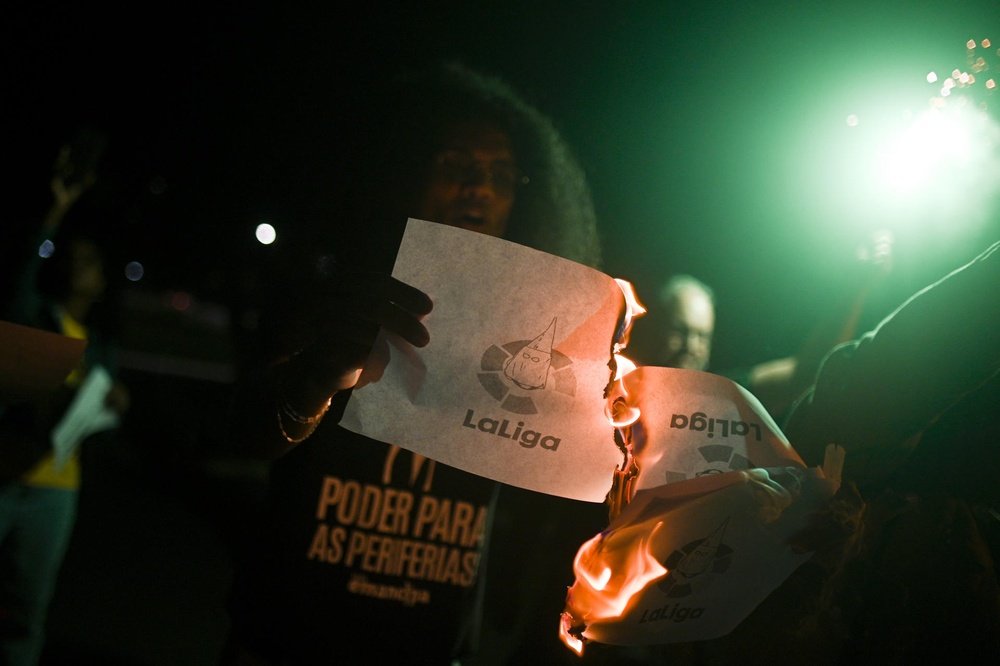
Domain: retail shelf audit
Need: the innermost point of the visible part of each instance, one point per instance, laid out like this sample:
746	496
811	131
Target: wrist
296	427
301	404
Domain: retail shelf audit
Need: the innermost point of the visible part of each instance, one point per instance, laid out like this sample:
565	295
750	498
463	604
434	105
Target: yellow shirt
46	474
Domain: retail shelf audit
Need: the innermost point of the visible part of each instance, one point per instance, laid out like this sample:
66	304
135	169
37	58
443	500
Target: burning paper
523	381
512	384
699	537
693	423
690	560
673	424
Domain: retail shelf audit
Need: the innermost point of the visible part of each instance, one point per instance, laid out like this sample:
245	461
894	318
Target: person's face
472	181
690	324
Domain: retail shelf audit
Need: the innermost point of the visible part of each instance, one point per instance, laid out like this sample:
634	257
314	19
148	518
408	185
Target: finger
356	317
335	360
403	323
365	289
407	297
338	358
355	333
360	328
331	363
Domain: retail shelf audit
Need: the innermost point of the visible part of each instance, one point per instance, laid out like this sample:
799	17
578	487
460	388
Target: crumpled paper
690	560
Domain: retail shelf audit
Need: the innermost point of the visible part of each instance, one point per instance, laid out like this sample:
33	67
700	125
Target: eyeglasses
461	167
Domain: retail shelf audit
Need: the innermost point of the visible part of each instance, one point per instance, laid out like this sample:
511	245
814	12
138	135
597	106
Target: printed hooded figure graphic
700	560
529	368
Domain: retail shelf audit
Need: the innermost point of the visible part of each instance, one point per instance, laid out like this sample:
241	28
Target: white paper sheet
85	416
695	423
511	385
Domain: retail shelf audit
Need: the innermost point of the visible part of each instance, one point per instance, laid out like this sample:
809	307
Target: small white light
266	233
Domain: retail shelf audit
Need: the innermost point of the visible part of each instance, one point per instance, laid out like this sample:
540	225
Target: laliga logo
719	458
690	567
511	371
698	558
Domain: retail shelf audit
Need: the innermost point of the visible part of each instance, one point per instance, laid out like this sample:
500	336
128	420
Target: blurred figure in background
912	403
904	566
688	323
678	331
59	289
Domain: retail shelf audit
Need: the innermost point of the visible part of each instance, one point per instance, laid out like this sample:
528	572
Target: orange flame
623	366
608	576
572	642
619	412
611	569
633	309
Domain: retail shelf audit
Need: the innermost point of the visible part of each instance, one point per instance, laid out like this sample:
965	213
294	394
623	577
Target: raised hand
349	312
342	321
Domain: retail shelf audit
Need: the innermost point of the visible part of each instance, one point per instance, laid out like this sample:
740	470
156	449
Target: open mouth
471	218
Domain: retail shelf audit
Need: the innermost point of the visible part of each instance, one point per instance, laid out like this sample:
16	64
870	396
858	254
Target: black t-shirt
374	553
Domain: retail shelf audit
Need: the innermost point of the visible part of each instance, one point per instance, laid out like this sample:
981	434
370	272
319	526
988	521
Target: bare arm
779	382
876	394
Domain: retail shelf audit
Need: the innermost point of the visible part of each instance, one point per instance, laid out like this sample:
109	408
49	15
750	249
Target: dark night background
708	131
713	135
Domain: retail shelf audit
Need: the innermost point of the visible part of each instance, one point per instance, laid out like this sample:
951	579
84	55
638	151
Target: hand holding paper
346	312
511	385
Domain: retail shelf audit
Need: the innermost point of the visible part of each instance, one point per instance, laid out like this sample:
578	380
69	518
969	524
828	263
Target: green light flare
932	166
945	160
